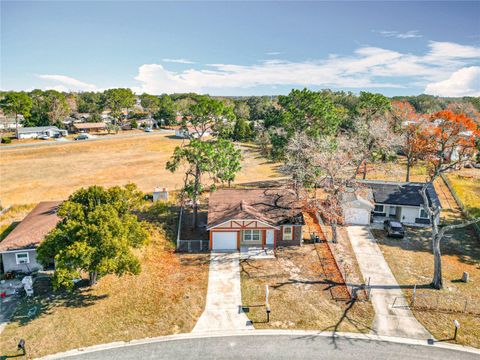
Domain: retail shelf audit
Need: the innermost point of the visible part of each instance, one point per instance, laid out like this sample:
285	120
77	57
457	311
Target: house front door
270	237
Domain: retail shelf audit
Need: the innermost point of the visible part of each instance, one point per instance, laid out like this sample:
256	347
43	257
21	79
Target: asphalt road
275	347
96	138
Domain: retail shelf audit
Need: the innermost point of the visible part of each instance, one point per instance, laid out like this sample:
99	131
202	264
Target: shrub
6	140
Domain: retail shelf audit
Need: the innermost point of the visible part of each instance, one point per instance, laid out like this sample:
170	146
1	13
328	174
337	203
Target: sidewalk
398	321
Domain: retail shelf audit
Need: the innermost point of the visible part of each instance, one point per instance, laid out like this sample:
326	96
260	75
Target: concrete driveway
224	298
389	321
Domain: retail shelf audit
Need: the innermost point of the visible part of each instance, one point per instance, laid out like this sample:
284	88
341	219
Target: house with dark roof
262	218
18	249
401	201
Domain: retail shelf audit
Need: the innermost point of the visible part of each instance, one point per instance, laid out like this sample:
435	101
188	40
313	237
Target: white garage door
357	216
224	241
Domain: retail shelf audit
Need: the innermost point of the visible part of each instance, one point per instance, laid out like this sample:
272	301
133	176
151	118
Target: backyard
167	297
466	184
301	295
53	172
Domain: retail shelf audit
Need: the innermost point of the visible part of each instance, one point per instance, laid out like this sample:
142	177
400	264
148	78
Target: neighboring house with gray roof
18	249
401	201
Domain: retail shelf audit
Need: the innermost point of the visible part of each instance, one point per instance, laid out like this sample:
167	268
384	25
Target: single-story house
264	218
89	127
36	131
18	249
402	201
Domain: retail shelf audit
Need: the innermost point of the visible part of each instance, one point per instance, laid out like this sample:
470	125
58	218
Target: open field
411	261
166	298
33	174
300	294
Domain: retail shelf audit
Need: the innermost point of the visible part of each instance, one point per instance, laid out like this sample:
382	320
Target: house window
378	209
22	258
392	211
423	214
287	232
251	235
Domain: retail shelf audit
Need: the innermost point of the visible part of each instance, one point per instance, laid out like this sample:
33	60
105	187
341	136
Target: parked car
148	129
394	228
44	137
82	137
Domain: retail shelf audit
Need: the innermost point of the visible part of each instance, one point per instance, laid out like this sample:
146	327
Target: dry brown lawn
300	297
411	261
466	184
53	172
166	298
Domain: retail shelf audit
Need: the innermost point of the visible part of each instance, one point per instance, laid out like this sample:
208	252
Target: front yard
411	261
300	294
166	298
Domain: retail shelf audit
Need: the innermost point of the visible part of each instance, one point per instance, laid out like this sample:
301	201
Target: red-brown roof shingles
273	206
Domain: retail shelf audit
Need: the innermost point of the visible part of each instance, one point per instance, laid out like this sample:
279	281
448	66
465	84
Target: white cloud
178	61
273	53
367	67
463	82
452	50
67	83
399	35
445	68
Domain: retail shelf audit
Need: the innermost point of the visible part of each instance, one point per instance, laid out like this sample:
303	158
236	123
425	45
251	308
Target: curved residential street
256	346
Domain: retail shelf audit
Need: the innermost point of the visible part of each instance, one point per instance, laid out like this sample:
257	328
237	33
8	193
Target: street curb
354	336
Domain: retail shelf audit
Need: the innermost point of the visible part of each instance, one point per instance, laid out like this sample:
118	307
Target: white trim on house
18	250
19	261
260	221
287	236
420	213
252	232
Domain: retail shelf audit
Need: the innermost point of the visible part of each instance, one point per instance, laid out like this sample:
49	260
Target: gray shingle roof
408	194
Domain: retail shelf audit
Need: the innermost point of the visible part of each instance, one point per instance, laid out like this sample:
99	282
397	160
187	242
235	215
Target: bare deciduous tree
452	138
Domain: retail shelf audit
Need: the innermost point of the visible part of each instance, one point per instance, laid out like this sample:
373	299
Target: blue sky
249	48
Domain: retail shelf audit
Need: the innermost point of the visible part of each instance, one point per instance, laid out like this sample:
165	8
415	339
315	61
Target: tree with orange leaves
451	138
402	113
407	121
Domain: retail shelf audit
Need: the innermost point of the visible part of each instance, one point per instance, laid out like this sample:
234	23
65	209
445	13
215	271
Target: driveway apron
389	321
223	309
